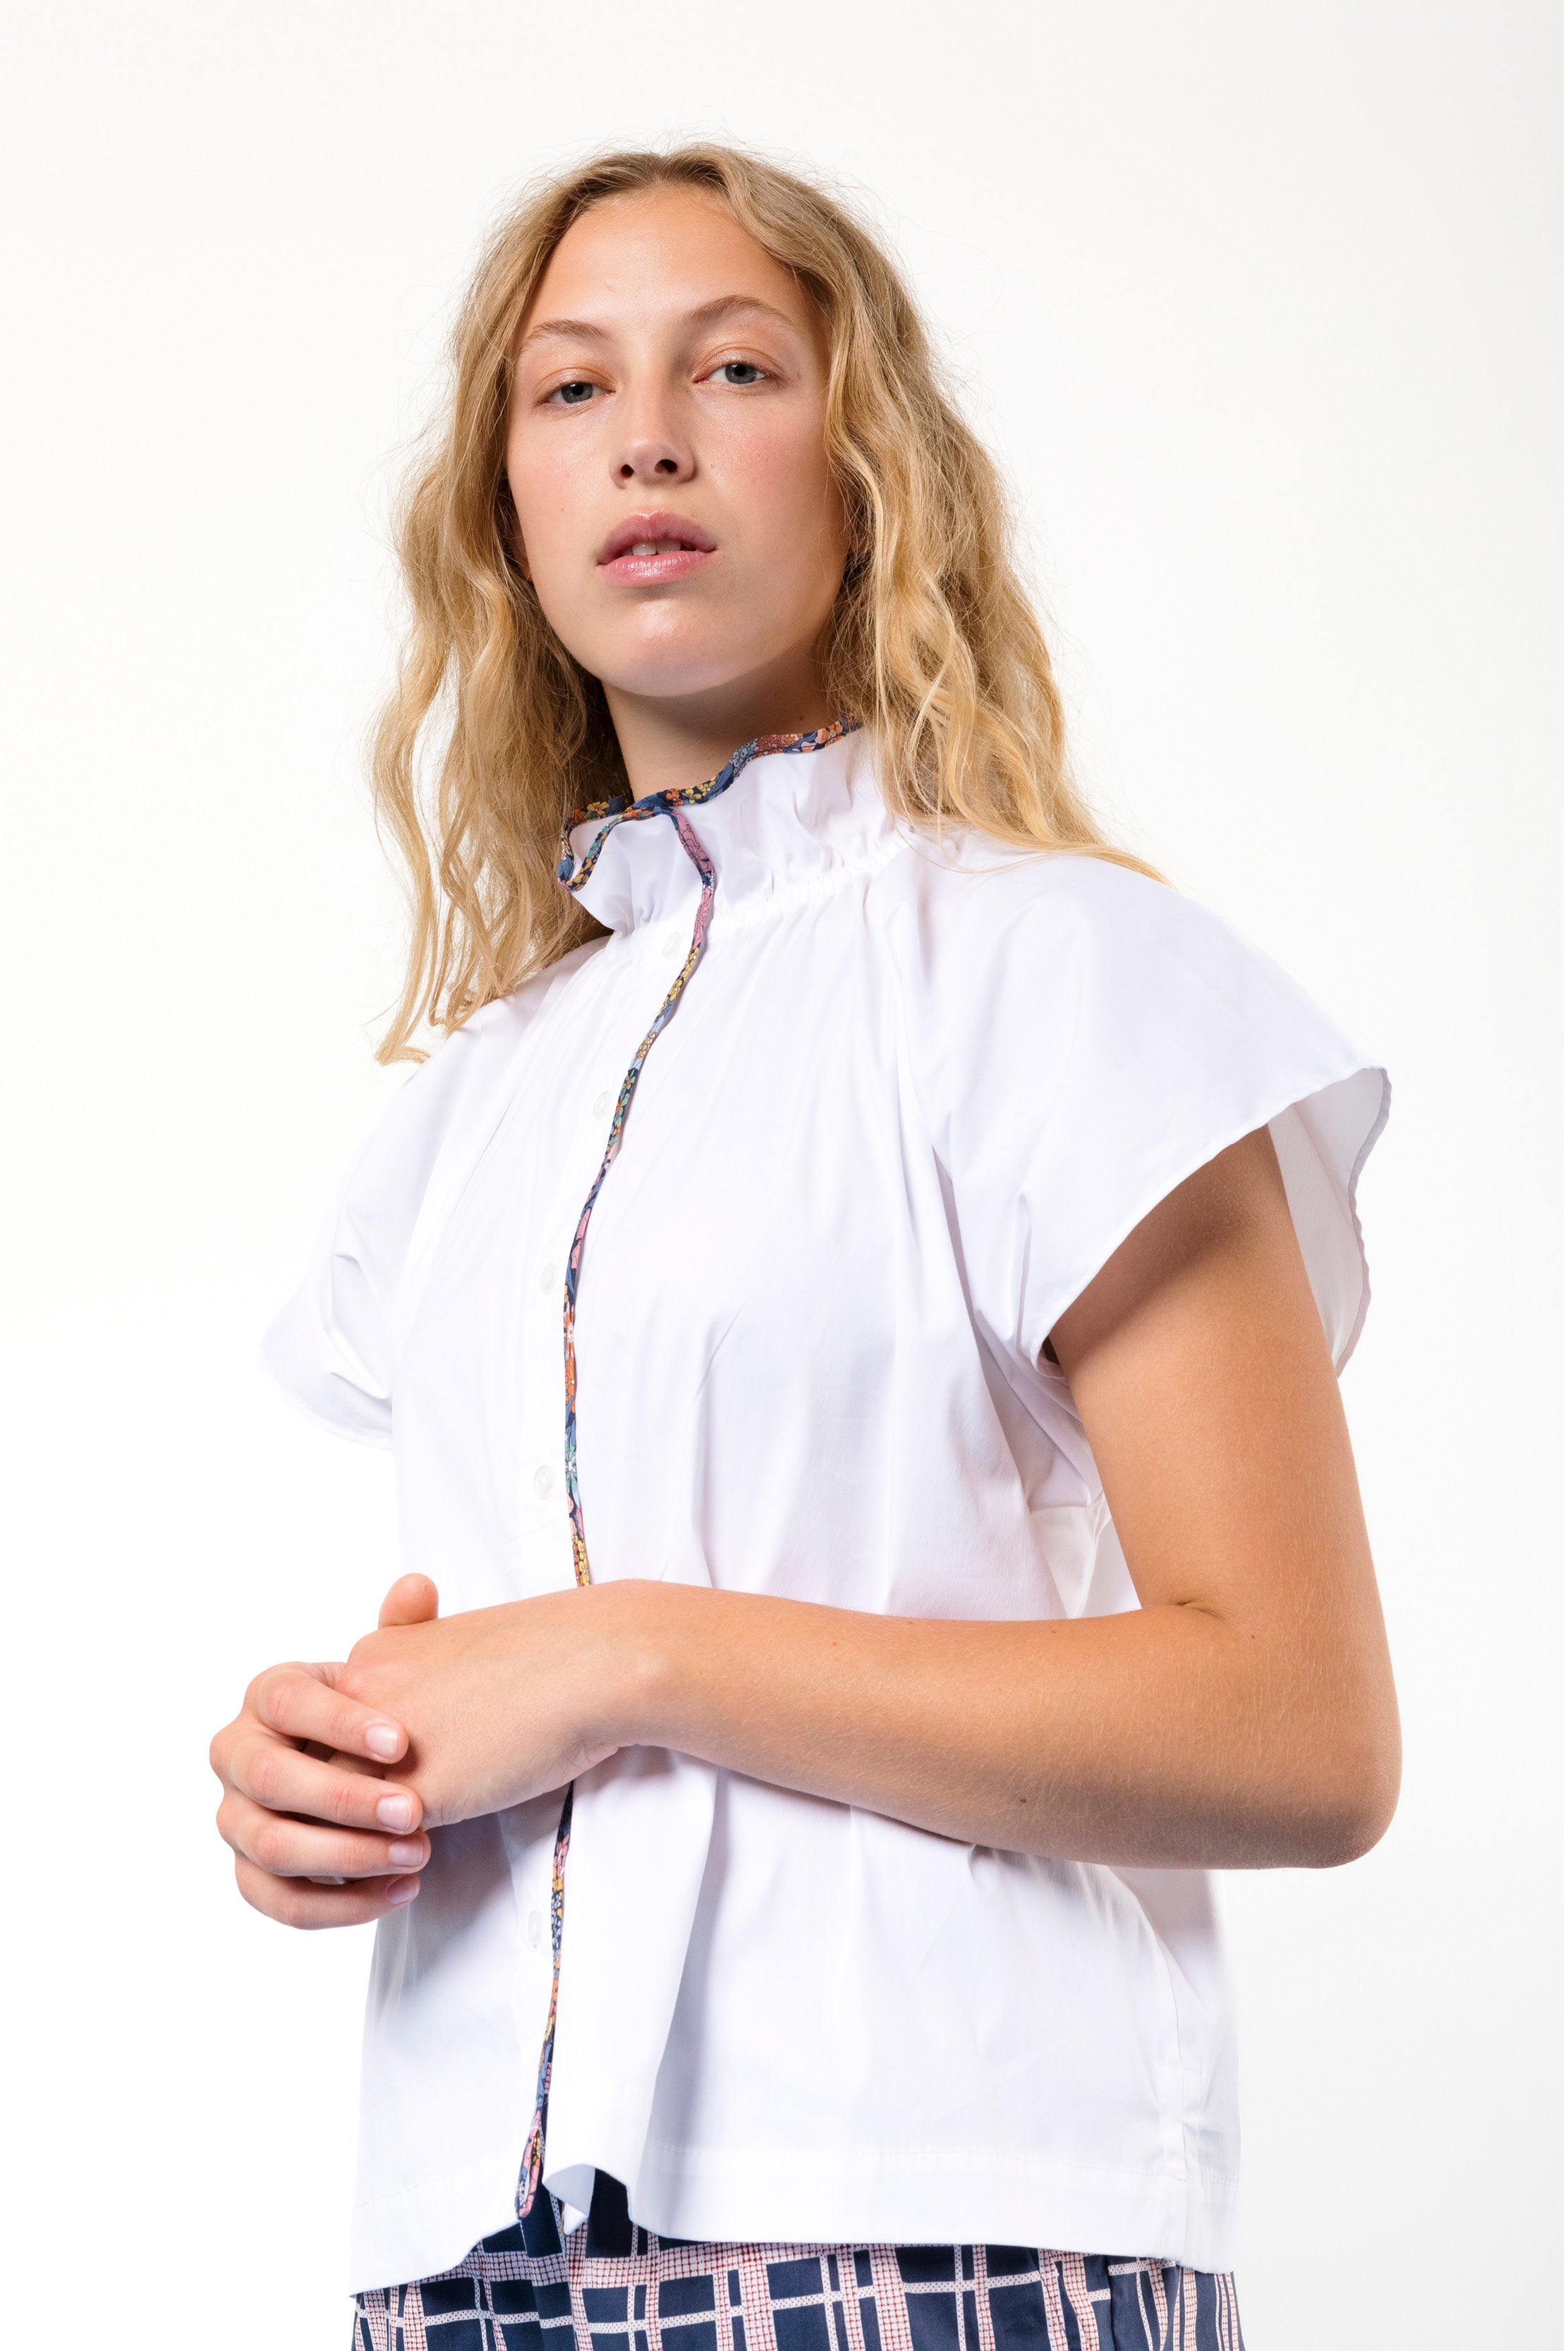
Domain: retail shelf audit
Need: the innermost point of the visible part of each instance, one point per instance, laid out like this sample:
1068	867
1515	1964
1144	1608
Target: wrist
642	1664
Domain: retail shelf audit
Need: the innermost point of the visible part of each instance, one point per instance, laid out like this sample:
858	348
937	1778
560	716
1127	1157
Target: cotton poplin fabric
914	1095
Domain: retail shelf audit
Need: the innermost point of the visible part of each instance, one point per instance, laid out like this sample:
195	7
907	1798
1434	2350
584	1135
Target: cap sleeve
1083	1038
333	1348
330	1347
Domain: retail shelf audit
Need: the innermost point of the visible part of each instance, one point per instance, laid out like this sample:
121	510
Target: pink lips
648	548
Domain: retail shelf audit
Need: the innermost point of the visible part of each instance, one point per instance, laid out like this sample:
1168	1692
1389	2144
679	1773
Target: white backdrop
1260	304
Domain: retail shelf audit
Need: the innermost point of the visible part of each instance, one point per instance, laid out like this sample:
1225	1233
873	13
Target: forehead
662	252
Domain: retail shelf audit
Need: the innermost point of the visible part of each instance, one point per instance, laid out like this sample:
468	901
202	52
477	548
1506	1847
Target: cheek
796	512
548	499
787	468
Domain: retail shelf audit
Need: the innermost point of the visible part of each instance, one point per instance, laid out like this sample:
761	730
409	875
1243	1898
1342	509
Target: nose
652	448
653	460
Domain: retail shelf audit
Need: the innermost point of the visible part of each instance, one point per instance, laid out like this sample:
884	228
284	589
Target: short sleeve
1082	1039
331	1348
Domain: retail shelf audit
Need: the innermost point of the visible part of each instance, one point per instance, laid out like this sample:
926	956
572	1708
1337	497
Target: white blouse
910	1098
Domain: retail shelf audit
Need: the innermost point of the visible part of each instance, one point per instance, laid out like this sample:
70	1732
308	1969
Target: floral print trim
572	872
618	809
534	2152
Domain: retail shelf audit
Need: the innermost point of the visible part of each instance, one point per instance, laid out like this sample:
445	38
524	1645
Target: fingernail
382	1740
407	1857
401	1890
395	1812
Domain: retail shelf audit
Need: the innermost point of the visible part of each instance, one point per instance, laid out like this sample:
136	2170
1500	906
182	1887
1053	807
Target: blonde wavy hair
494	733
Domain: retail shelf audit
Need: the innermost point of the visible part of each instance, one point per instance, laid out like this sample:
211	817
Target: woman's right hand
321	1835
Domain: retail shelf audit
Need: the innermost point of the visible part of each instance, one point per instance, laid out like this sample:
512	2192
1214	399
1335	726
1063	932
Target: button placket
574	873
540	1473
585	1131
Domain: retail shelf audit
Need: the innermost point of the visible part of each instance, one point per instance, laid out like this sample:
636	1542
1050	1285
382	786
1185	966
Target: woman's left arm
1242	1716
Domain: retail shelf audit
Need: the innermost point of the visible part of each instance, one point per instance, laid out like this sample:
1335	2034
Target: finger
293	1701
280	1777
290	1848
293	1903
358	1766
413	1600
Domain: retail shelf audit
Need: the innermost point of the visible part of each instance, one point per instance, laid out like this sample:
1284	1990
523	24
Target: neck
667	740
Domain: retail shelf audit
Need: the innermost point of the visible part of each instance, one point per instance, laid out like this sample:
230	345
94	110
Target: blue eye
740	372
572	395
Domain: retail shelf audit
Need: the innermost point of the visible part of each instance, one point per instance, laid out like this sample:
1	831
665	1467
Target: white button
543	1480
601	1102
536	1927
673	940
548	1275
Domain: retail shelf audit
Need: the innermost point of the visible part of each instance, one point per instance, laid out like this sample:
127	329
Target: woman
857	1298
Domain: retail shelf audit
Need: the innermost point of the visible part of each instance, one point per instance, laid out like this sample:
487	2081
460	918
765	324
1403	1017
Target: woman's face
666	452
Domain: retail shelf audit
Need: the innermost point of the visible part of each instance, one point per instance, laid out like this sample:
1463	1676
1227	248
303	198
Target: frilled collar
798	820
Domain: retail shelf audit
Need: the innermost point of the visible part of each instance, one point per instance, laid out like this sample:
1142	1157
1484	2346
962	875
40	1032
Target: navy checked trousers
610	2286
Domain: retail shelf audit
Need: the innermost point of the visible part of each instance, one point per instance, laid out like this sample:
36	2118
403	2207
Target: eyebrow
707	314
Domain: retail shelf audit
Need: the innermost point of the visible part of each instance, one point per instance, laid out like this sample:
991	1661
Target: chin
667	673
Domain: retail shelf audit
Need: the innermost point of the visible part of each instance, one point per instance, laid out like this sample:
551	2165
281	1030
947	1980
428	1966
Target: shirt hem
858	2196
939	2195
428	2226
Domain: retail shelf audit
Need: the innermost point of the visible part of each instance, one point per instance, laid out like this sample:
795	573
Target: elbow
1352	1802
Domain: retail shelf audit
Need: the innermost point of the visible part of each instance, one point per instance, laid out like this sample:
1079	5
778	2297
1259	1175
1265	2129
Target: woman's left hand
499	1704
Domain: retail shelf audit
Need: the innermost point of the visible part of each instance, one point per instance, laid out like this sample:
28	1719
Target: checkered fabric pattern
612	2286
